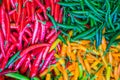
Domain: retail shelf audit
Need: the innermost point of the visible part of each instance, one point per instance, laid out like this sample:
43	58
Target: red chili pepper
57	11
33	10
8	5
47	3
47	60
25	39
45	53
5	60
42	33
19	11
28	8
48	24
25	51
12	11
2	43
6	71
2	78
12	3
53	62
43	8
35	31
19	62
40	17
1	57
52	39
7	27
25	64
36	63
13	38
2	15
60	15
28	32
52	7
51	33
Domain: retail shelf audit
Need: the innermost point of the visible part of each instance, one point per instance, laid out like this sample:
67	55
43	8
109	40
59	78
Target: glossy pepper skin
36	63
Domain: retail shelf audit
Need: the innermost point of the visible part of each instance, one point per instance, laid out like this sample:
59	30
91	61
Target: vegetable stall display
59	39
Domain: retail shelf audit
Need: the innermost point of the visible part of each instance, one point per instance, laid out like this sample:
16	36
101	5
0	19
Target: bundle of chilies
26	35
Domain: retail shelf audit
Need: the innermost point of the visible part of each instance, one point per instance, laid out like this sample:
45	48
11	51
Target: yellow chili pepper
108	72
55	43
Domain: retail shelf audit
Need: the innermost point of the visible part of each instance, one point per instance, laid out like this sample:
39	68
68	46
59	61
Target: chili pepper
13	59
51	40
43	31
51	33
53	21
25	51
60	15
12	3
48	76
108	71
47	60
28	8
2	43
55	43
19	11
68	4
25	64
84	33
35	31
33	10
36	63
52	7
7	27
35	78
17	76
6	71
43	8
5	60
3	21
19	62
45	52
62	39
111	41
57	11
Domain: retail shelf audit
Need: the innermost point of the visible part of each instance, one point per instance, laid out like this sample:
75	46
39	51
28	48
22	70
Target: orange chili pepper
76	71
48	76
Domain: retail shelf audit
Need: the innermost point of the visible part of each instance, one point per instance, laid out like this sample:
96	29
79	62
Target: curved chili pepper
8	5
52	39
43	8
2	43
47	60
51	33
19	62
25	51
25	64
5	60
17	76
6	71
36	63
45	52
12	3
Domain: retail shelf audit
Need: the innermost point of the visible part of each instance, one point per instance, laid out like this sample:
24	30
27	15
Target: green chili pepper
84	33
35	78
62	39
53	21
13	59
81	71
17	76
69	4
81	22
111	41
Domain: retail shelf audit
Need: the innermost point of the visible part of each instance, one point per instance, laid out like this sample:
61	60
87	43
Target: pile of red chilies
26	35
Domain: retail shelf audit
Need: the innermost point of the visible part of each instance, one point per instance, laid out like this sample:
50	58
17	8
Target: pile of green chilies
88	18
